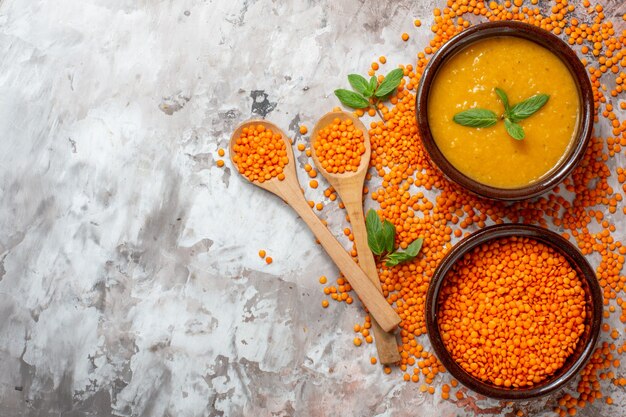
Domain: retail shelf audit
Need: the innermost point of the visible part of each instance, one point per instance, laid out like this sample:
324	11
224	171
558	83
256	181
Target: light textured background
129	278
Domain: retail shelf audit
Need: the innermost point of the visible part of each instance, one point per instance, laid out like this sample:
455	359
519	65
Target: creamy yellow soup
522	69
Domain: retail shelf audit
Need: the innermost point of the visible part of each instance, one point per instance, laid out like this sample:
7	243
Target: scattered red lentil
405	36
221	152
269	260
262	253
303	130
220	163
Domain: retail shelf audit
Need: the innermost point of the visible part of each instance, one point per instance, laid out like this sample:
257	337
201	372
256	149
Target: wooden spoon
289	190
349	186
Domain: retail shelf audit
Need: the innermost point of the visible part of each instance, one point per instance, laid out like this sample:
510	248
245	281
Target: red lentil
339	146
260	154
493	305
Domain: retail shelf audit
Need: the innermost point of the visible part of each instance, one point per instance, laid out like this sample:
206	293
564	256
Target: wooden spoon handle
386	343
371	297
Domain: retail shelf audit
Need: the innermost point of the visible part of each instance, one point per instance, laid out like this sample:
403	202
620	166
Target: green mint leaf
389	235
390	83
396	258
374	227
504	99
414	248
385	97
527	107
476	118
373	85
359	84
514	130
408	254
351	99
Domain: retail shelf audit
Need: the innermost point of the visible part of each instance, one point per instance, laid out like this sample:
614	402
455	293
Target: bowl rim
561	245
543	38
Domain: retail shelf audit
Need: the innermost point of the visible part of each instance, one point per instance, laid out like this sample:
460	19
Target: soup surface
522	69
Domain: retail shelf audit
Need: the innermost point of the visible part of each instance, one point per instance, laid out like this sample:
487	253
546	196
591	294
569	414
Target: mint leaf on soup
476	118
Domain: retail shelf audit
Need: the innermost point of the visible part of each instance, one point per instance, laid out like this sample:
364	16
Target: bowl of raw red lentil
514	311
469	73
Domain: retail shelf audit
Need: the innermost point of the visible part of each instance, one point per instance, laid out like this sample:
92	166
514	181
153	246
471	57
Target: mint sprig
381	240
365	90
511	116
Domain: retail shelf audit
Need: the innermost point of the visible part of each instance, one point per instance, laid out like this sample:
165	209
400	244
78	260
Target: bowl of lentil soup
523	61
514	311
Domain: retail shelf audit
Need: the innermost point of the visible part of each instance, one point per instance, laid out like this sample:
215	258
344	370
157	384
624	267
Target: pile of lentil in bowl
511	311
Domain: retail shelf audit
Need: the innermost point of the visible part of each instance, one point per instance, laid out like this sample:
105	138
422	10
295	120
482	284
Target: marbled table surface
129	278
